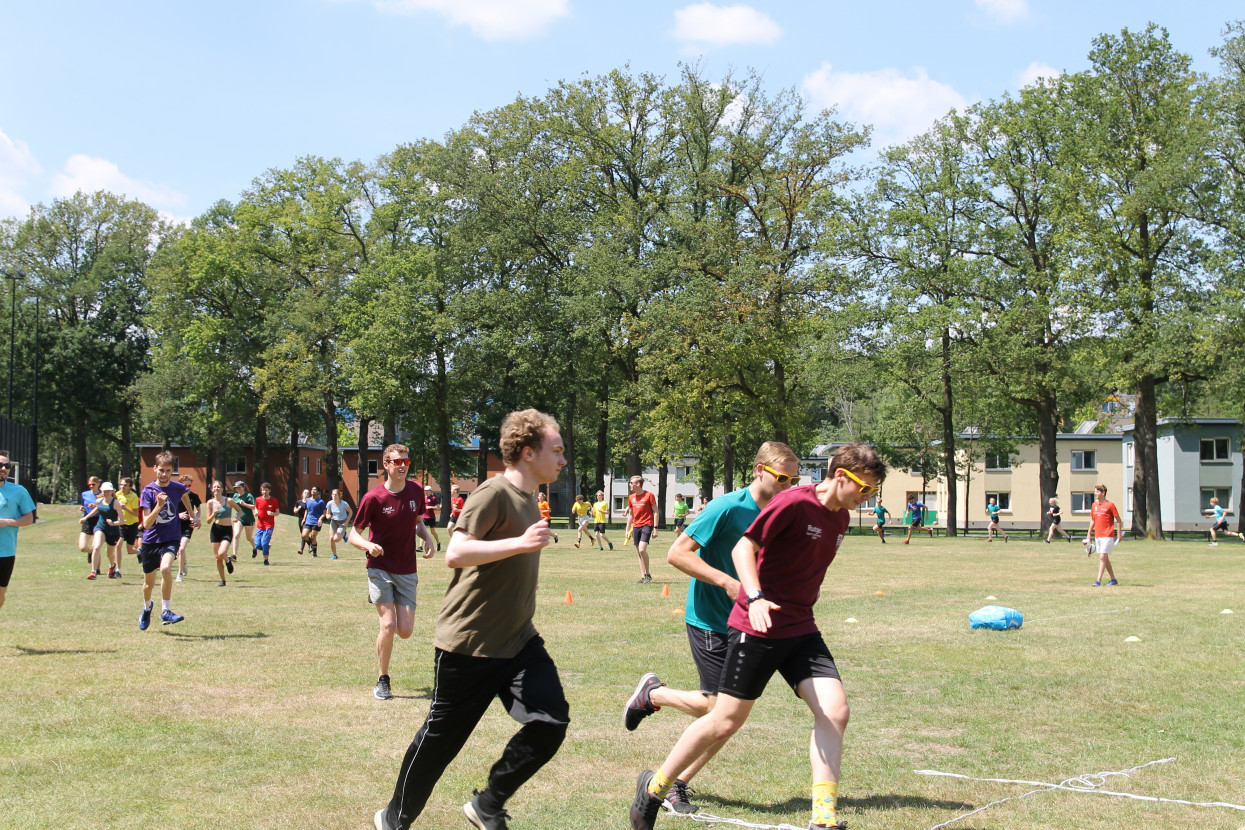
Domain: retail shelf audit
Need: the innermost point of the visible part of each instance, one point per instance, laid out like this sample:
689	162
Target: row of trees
677	268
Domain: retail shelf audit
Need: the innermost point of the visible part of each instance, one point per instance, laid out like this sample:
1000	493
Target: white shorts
584	521
1104	544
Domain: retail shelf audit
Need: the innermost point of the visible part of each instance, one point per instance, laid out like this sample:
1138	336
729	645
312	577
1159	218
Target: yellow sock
825	794
660	784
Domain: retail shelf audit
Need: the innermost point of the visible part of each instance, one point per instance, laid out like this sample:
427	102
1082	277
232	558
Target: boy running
993	510
916	510
312	521
581	510
680	514
161	501
704	553
486	644
600	516
457	503
1219	524
542	504
266	509
782	561
17	509
881	513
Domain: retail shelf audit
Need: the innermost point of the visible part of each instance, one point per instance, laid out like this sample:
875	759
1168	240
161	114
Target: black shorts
313	528
88	527
187	530
130	533
1222	526
599	528
150	555
6	570
641	535
220	533
709	655
1055	519
918	522
430	522
678	523
751	661
881	522
994	520
112	534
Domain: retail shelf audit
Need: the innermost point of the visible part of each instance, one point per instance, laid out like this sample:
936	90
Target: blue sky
181	103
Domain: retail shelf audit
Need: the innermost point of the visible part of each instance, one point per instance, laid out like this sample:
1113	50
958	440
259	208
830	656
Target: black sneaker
678	800
229	565
644	580
640	704
382	692
482	819
645	807
842	825
378	820
254	552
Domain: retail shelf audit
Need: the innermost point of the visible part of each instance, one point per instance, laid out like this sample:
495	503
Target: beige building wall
1018	486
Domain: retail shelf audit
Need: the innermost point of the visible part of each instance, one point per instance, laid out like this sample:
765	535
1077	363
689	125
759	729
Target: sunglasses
399	462
5	464
865	489
783	478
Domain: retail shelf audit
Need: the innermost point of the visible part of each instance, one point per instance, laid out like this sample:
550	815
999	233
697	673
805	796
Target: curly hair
525	428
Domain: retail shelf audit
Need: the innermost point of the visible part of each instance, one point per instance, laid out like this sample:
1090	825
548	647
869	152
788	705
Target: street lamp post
12	276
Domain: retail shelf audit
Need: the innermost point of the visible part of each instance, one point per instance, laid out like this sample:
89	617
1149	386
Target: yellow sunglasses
865	489
783	478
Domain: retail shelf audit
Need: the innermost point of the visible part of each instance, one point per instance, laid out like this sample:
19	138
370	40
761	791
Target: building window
319	466
682	473
1216	449
1003	500
619	506
1082	502
177	465
1130	500
305	460
1224	494
1084	460
998	461
372	467
818	474
235	466
1129	454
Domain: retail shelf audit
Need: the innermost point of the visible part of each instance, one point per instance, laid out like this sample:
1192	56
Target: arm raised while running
683	555
467	551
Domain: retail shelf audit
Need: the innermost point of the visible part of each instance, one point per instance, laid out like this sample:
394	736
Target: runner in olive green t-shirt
244	521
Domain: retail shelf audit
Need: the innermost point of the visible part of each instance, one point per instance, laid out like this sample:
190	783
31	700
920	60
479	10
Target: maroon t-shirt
798	538
391	520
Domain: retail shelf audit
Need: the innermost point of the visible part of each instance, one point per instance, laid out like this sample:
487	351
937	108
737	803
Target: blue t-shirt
87	499
1219	511
917	509
168	528
337	512
315	509
15	502
717	529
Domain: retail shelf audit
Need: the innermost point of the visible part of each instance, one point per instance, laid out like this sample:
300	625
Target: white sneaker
179	578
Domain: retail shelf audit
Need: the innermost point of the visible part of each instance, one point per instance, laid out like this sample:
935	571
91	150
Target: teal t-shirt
717	529
880	512
993	510
15	502
1219	511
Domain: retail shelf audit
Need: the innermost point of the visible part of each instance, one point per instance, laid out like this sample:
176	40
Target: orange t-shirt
1103	517
642	508
544	509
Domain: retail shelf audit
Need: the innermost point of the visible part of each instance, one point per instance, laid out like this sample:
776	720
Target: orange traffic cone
568	599
665	590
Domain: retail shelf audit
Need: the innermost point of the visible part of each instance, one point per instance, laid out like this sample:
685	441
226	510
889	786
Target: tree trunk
1147	514
259	466
390	430
365	426
218	466
728	458
568	441
332	470
293	491
482	456
704	469
662	469
634	466
442	405
948	433
603	434
1048	457
780	407
127	443
80	457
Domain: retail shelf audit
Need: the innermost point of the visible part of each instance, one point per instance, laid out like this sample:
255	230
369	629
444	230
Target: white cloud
17	166
898	106
1030	74
724	25
489	19
89	174
1004	11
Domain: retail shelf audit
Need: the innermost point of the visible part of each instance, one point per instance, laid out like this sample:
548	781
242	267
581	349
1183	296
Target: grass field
256	712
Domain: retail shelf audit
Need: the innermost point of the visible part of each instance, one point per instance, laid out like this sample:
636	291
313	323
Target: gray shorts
399	589
338	527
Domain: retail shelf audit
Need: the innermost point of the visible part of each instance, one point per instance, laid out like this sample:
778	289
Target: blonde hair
773	453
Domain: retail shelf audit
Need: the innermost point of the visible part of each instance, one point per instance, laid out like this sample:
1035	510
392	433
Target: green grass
256	712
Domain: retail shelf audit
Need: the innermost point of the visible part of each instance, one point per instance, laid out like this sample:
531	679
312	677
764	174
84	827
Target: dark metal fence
19	440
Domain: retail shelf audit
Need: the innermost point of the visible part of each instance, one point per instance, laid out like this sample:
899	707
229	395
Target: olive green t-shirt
487	610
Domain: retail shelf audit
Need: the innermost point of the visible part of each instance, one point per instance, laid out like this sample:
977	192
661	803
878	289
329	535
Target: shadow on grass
39	652
421	694
258	635
873	802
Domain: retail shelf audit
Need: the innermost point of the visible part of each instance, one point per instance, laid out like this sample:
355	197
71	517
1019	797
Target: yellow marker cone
676	610
568	599
851	619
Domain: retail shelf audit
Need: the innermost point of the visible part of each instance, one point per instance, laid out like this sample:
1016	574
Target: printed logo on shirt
814	532
388	509
412	504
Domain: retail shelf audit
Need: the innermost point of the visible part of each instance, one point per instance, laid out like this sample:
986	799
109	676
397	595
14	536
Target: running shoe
678	800
555	541
645	807
611	544
170	617
1097	584
179	578
229	565
265	562
92	575
378	820
144	619
1113	582
477	815
577	544
640	705
118	573
220	584
842	825
644	580
382	691
112	571
254	552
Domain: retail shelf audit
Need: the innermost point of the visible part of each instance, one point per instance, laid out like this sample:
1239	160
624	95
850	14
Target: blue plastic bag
996	617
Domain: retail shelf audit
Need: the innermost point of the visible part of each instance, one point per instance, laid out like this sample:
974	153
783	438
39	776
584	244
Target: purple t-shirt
798	538
391	520
168	528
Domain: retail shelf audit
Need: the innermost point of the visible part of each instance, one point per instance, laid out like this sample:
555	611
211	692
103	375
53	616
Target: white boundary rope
1089	783
711	819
